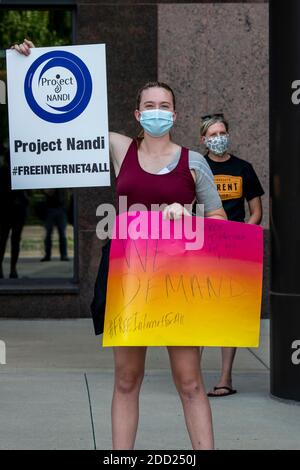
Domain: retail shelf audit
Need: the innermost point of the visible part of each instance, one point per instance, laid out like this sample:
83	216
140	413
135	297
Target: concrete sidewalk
55	393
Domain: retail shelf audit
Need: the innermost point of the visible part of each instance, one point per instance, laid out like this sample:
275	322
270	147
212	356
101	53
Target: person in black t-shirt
236	182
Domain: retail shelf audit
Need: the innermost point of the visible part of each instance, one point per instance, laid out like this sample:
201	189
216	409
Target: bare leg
185	364
129	373
228	355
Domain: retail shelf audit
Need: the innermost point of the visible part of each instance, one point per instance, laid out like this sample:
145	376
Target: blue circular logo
71	106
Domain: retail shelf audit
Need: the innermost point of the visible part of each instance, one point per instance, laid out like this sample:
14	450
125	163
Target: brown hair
148	85
154	85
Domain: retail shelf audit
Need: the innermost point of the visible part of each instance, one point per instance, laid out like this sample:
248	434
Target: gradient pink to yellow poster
160	293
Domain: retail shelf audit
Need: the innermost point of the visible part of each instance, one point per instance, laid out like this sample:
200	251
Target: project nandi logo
58	86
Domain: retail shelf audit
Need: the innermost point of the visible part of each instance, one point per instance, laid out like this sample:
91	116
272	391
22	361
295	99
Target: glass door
36	227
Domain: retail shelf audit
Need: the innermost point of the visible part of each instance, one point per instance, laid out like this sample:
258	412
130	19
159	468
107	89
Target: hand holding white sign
23	48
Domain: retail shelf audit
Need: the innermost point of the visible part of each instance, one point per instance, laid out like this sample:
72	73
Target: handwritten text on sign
160	294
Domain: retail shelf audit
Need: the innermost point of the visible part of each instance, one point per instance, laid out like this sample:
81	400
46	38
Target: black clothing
99	300
236	181
13	212
55	215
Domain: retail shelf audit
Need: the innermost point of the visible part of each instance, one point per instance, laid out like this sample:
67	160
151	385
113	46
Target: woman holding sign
140	164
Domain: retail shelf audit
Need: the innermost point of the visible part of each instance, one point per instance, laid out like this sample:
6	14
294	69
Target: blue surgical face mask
217	145
156	122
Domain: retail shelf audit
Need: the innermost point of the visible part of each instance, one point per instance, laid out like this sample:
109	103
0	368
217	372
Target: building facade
215	57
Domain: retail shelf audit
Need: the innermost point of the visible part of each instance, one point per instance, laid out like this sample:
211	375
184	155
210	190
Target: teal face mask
156	122
217	145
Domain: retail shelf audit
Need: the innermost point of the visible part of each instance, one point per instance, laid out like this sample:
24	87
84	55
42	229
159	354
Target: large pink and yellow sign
162	294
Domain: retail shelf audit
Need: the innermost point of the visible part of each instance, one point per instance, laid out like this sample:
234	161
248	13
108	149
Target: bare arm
176	211
255	209
118	146
217	214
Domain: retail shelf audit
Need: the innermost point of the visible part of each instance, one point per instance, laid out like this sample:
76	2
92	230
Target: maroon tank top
146	188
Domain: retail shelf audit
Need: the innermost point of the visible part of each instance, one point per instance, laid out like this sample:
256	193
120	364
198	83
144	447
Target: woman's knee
188	387
129	381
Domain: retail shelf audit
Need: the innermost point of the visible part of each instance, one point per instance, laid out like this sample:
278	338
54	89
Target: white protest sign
58	123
